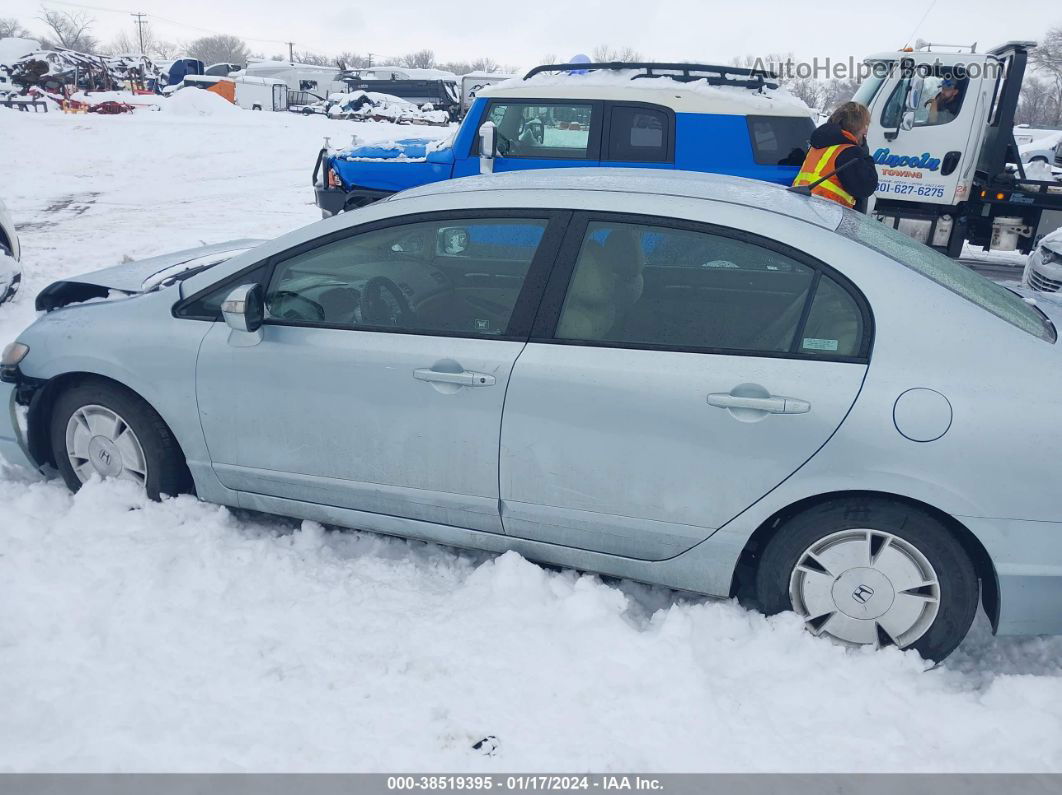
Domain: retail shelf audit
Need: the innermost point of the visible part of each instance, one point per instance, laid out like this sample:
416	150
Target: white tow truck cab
942	136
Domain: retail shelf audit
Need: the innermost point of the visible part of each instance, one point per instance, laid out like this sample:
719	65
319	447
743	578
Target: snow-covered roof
410	73
692	97
494	75
684	184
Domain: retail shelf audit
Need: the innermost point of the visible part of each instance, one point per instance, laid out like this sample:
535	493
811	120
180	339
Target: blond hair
851	116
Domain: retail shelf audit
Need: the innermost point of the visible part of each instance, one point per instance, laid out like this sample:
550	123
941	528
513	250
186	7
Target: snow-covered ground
179	636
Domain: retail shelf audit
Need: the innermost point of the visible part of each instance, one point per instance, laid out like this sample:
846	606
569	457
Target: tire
146	444
849	567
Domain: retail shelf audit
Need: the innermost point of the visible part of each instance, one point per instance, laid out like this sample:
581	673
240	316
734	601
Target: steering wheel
287	307
384	304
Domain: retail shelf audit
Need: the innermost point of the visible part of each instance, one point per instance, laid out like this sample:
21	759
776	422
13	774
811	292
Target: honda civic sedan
703	382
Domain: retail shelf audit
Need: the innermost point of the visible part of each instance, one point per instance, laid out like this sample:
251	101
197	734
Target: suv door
677	373
377	380
540	134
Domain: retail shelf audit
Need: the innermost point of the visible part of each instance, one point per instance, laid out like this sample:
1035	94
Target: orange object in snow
225	88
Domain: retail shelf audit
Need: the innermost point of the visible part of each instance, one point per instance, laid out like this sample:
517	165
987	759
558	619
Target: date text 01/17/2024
521	783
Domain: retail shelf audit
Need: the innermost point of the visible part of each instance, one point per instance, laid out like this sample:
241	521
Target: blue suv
693	117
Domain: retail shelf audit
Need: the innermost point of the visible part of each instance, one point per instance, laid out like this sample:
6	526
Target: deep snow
178	636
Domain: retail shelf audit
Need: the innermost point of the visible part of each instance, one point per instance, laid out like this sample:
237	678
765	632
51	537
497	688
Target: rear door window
639	134
780	140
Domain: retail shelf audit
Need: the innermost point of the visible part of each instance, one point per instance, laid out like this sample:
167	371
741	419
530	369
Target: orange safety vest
819	162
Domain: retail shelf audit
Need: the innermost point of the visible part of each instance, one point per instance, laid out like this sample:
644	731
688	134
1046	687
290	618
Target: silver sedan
698	381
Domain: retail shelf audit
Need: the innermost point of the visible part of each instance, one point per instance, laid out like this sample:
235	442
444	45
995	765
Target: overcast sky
521	32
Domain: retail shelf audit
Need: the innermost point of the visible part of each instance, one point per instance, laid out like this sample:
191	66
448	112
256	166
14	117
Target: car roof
692	97
695	185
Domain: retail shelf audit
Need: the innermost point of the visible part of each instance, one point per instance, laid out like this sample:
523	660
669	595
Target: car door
376	382
540	134
676	374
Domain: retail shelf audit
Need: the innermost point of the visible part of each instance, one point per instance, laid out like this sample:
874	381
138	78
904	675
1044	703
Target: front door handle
464	378
774	404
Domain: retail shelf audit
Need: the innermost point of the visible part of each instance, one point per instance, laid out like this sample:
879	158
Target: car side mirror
243	308
488	147
907	120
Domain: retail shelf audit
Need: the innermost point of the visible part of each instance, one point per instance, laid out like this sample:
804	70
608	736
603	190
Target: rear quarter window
948	273
780	140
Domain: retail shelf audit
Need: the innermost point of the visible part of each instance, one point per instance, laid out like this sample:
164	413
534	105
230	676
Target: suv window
948	273
638	134
453	277
780	140
680	289
544	130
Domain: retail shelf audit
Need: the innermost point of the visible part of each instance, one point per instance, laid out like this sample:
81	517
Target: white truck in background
955	176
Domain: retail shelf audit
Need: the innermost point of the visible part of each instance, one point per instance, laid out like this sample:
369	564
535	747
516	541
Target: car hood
140	276
1053	241
406	149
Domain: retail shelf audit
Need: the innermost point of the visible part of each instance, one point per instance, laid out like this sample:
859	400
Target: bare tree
129	42
603	53
219	49
457	67
421	59
353	60
1046	85
10	28
314	58
784	65
69	29
835	92
484	64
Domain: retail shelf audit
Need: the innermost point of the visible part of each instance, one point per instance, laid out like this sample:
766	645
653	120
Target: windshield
948	273
869	88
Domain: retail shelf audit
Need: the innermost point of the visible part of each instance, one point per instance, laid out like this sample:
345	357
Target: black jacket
860	178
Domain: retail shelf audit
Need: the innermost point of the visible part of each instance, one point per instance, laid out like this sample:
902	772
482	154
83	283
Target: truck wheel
99	428
871	572
256	107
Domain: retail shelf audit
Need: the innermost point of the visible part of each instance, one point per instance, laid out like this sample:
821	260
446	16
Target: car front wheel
100	429
870	572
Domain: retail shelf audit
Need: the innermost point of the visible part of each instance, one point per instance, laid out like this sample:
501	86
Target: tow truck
947	178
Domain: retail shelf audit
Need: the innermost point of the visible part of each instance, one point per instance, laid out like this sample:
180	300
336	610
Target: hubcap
99	441
865	587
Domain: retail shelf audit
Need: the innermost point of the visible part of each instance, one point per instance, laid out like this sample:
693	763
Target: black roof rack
740	76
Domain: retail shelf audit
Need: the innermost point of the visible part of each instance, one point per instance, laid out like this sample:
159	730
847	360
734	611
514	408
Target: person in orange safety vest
834	147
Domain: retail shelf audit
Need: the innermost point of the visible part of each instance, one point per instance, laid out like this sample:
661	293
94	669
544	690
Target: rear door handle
464	378
774	404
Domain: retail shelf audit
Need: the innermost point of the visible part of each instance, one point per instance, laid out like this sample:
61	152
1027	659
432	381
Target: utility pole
291	51
370	59
140	28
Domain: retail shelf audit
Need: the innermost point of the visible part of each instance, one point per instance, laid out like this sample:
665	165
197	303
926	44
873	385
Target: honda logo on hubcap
862	594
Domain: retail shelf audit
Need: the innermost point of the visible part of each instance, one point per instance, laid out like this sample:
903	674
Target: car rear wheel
871	573
100	429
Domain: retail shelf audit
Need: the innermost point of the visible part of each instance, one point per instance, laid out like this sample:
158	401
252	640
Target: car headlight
1047	255
13	354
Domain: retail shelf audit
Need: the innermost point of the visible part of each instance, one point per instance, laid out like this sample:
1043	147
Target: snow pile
198	102
178	636
11	49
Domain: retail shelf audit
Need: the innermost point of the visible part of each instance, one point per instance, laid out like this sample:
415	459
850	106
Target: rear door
677	373
540	134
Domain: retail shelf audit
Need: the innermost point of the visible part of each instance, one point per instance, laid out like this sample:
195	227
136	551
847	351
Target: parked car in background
710	383
1043	269
307	103
696	117
10	269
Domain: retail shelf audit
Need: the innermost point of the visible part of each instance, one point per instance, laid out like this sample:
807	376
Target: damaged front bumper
14	426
